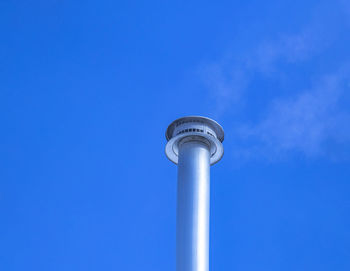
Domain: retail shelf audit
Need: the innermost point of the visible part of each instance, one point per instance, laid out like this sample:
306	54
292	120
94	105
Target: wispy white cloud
306	121
227	85
228	79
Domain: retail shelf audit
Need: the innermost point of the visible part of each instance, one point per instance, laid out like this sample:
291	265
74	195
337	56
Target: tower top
195	128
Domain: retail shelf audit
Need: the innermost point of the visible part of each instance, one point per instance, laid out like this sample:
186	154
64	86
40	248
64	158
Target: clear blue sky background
87	89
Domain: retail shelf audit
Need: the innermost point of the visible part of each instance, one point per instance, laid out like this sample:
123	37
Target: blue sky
88	88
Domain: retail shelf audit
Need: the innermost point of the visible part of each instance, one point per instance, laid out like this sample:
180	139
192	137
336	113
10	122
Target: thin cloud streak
304	122
229	79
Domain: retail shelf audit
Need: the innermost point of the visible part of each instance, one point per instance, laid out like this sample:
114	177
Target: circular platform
195	128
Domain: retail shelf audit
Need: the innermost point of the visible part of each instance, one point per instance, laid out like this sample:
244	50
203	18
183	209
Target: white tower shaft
194	143
192	229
